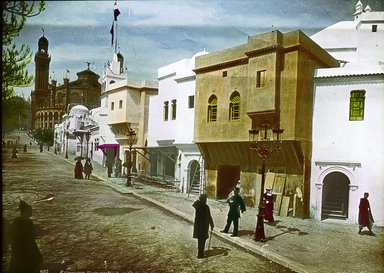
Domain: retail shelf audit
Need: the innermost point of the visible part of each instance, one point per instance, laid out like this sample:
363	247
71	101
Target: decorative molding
352	165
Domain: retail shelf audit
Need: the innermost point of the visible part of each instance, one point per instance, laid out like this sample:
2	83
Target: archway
335	196
194	177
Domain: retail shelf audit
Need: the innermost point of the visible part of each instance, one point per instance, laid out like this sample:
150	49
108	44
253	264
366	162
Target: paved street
85	225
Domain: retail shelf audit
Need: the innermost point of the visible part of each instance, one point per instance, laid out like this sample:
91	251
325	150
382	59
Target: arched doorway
194	177
335	196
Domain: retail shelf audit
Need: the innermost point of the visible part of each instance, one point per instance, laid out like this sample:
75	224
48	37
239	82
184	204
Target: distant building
49	102
348	120
266	82
172	153
124	107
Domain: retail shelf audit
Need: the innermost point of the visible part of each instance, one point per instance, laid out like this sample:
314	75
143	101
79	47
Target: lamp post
87	137
55	143
66	144
264	151
132	137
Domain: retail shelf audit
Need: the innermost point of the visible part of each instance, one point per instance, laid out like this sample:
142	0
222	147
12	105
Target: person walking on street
203	220
365	214
79	169
25	148
14	152
236	204
88	168
25	256
268	205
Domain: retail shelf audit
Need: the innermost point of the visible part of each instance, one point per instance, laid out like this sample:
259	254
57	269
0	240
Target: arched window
234	106
212	108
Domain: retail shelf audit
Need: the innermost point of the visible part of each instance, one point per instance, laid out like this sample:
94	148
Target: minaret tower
359	10
40	96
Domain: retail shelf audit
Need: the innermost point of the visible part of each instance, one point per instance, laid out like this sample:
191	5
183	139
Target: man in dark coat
203	220
236	204
26	256
365	214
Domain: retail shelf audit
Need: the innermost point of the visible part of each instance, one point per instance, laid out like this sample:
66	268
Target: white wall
336	139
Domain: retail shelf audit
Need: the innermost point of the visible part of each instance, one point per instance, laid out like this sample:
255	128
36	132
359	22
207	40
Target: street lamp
132	138
264	151
55	143
87	137
66	144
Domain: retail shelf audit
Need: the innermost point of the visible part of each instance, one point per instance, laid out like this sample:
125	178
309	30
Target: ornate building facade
49	102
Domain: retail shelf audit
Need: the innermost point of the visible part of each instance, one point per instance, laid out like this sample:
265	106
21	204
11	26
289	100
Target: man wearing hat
26	256
203	220
236	204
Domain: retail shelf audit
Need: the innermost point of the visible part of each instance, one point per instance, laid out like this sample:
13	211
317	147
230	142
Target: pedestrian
236	204
203	220
25	255
268	205
41	148
109	166
118	168
14	152
88	168
365	214
79	169
25	148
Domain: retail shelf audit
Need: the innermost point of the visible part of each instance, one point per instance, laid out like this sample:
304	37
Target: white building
348	121
171	127
124	107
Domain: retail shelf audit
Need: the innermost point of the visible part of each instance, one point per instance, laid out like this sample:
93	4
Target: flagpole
116	38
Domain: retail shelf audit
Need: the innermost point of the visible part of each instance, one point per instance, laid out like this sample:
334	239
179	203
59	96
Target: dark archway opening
335	196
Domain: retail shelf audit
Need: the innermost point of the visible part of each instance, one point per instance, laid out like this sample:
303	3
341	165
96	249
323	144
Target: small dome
78	109
43	44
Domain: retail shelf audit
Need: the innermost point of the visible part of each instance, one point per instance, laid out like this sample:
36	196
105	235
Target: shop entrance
227	178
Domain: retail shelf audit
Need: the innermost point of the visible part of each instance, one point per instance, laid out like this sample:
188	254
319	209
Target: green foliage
15	114
16	58
44	136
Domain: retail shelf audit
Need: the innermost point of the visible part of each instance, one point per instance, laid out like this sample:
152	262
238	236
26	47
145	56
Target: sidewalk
301	245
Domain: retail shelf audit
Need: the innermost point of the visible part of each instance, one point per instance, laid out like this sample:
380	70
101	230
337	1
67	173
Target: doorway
335	196
227	178
194	177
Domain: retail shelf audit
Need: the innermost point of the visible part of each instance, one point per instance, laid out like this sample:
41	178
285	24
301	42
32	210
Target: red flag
116	12
112	32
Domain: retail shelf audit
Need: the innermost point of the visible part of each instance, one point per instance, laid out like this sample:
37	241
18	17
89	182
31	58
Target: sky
155	33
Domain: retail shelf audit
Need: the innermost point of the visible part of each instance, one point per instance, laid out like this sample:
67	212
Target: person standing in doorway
365	214
25	256
203	220
236	204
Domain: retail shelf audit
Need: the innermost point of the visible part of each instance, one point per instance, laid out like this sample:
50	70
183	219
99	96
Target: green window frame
234	107
212	109
356	105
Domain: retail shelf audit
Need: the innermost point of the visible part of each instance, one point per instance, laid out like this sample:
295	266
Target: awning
104	146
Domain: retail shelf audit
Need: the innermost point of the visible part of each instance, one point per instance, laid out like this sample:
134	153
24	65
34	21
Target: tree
15	112
16	58
44	136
